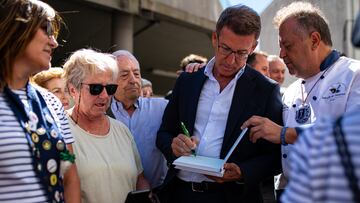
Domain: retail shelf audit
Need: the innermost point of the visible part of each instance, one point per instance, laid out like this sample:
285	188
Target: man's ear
253	47
315	39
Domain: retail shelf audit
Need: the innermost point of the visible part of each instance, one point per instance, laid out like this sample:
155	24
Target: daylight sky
257	5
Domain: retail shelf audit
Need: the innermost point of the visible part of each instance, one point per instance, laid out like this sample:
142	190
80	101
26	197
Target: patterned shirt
18	180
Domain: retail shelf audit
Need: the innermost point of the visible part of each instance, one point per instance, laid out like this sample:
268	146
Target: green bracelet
67	156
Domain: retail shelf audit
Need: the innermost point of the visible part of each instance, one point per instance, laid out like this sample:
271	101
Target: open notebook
206	165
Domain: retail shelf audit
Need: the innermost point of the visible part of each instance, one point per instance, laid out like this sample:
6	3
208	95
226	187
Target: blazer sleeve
268	161
170	126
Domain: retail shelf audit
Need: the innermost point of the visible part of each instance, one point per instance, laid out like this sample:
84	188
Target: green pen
186	132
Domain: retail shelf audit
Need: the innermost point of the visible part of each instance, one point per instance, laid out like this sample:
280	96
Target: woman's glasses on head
96	89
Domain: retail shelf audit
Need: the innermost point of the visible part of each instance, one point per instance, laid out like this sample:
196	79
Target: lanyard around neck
44	138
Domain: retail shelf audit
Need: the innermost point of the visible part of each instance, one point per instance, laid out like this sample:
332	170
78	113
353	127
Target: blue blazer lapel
194	87
242	96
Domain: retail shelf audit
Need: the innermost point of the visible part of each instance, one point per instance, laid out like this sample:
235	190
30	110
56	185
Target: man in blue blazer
213	103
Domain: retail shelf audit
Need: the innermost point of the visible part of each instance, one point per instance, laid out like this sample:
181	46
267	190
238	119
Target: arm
142	183
267	161
169	127
354	92
299	174
262	127
72	183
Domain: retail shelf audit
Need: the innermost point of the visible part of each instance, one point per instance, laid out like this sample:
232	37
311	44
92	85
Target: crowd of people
92	131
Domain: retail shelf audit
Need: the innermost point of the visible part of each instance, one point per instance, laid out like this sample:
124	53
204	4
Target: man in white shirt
328	84
213	103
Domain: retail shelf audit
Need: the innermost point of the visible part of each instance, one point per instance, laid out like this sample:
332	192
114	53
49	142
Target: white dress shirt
211	118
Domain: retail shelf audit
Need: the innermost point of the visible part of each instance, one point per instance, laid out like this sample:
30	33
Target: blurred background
162	32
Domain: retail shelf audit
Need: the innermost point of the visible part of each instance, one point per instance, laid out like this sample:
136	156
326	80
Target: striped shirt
317	174
18	181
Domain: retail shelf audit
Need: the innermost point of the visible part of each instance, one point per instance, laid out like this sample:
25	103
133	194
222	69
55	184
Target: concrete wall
159	32
86	26
203	13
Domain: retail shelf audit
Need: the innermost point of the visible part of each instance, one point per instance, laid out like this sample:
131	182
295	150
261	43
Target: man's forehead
277	64
126	64
128	69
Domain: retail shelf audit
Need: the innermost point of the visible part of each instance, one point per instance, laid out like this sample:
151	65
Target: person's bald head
258	60
277	69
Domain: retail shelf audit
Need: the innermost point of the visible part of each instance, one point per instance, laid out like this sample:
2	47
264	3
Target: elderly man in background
141	115
258	60
146	88
277	69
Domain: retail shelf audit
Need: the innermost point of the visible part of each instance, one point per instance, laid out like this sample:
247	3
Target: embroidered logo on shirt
334	91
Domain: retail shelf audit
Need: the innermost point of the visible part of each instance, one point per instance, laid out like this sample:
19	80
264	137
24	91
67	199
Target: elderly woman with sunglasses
108	161
34	133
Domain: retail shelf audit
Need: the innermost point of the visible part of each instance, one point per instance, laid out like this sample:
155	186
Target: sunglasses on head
96	89
48	28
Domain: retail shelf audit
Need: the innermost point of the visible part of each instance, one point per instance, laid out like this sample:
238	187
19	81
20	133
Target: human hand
261	127
232	173
182	145
192	67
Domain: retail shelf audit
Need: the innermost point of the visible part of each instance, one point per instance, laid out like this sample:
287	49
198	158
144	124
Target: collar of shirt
120	106
210	66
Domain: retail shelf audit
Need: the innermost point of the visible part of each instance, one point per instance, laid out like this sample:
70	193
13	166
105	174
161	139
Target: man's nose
282	53
231	58
132	77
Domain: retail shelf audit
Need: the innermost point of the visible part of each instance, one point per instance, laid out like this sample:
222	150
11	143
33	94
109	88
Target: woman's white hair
86	62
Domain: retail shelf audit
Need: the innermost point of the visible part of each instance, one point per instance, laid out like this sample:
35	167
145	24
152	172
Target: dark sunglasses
96	89
48	28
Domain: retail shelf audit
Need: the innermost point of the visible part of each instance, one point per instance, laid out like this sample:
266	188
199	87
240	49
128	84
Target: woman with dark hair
35	139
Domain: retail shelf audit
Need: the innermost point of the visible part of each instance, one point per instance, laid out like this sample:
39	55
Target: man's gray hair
145	82
272	58
125	53
309	17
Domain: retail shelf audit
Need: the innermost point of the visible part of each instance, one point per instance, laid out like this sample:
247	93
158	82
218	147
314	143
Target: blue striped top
317	174
18	181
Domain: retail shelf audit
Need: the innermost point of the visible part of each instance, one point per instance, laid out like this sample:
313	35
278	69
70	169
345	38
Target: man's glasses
226	51
96	89
48	28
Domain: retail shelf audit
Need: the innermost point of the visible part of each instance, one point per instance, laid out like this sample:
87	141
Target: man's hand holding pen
183	145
